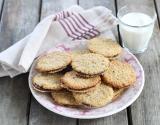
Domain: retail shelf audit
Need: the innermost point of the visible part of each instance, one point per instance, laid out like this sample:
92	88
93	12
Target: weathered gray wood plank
157	5
18	19
146	110
54	6
121	117
108	3
1	5
38	114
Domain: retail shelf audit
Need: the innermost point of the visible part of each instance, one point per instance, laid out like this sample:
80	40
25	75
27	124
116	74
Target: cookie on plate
118	93
101	96
90	64
64	98
106	47
83	90
47	82
53	62
119	74
73	82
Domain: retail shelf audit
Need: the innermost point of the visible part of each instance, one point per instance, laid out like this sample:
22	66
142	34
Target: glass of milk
136	25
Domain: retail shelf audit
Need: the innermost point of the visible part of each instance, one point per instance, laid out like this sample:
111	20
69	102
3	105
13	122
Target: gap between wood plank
40	9
156	10
1	11
129	114
30	94
77	121
28	107
77	2
119	36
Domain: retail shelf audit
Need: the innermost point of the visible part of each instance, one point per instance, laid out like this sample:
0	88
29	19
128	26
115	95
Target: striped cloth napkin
72	24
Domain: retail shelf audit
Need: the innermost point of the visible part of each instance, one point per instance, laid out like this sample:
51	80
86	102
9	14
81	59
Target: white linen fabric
72	24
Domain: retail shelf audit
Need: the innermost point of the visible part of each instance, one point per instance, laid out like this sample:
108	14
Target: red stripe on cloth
80	28
84	21
79	23
58	16
61	17
71	30
86	25
66	30
64	14
76	26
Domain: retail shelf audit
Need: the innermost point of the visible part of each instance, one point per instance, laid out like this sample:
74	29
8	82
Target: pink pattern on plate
63	47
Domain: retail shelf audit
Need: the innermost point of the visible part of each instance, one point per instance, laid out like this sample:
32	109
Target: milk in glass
136	30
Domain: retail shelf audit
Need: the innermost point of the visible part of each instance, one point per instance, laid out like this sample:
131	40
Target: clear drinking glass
136	23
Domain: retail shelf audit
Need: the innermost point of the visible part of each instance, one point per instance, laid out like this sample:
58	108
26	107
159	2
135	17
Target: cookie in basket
53	62
90	65
65	98
119	74
104	46
47	82
101	96
75	83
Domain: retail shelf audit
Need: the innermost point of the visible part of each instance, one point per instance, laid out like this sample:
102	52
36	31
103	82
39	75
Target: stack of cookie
94	77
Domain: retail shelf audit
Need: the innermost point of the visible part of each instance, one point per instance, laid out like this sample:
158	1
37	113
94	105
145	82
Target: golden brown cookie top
81	90
106	47
53	61
72	81
47	81
119	74
101	96
90	64
65	98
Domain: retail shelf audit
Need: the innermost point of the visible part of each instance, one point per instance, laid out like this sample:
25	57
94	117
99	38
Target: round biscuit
46	82
72	81
53	62
65	98
119	74
105	47
90	64
101	96
81	90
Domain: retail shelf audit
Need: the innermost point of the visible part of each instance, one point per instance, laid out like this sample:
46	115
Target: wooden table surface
17	105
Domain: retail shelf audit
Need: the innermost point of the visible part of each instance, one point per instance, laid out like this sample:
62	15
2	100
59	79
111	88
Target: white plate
128	97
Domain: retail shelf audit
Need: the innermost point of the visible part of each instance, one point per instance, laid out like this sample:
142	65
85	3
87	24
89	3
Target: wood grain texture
157	5
38	114
146	110
121	117
1	6
19	17
110	4
54	6
41	116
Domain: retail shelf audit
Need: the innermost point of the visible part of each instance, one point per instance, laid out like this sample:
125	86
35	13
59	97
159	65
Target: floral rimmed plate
126	99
